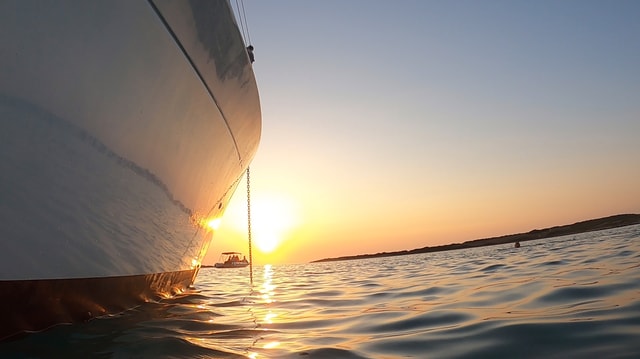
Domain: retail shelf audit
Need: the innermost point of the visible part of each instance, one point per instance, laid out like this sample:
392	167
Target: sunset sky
393	125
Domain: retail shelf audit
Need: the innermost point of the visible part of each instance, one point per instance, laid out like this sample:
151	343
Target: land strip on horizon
619	220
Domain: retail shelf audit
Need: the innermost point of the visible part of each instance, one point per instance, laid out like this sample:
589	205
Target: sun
267	243
273	217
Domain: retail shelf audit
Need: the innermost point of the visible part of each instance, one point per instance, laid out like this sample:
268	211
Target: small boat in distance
231	260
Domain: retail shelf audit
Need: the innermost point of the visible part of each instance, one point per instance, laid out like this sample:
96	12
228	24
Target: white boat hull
125	127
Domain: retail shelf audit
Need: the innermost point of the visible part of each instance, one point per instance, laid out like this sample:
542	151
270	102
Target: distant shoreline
620	220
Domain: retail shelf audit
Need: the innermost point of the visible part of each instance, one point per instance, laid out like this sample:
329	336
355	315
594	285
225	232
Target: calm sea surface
567	297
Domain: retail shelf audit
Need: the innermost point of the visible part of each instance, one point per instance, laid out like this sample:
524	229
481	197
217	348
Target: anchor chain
249	225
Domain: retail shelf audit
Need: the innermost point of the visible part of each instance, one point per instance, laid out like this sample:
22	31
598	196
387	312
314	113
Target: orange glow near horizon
292	224
274	217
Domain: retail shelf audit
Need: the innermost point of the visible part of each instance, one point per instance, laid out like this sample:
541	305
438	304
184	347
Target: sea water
575	296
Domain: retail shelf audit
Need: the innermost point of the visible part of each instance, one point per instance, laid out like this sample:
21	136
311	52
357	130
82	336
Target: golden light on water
268	288
267	292
271	345
268	318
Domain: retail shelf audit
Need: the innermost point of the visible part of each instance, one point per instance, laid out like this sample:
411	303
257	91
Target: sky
394	125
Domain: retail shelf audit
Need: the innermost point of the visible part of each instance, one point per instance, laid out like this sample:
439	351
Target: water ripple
567	297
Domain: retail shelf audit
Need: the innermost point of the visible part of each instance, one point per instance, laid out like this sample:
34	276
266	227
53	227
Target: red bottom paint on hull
34	305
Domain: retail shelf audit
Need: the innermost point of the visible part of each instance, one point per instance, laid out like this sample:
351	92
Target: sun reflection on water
268	288
267	293
269	316
271	345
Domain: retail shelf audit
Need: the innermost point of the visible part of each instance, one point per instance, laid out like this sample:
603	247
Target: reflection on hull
124	129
